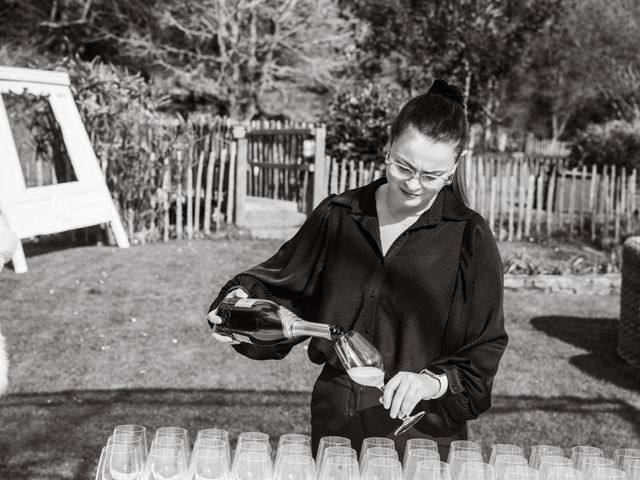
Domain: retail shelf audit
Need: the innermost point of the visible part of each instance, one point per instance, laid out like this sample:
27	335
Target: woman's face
413	153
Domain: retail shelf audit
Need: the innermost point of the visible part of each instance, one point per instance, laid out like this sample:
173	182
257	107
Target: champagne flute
504	461
624	456
129	439
520	472
607	473
135	430
504	449
176	432
564	473
215	433
165	464
122	462
632	469
421	443
579	453
432	470
289	450
340	468
464	446
370	442
458	458
590	464
414	456
382	468
296	467
477	471
252	465
288	438
330	441
363	364
539	451
209	464
549	462
376	452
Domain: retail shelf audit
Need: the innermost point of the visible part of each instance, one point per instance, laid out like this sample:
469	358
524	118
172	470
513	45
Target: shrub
357	122
613	143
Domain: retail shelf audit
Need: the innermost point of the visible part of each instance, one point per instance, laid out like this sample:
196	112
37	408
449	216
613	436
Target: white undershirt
389	226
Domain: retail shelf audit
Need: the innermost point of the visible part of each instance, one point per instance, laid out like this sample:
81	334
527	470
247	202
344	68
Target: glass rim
416	452
252	447
435	464
383	461
586	449
544	448
478	466
163	441
164	453
209	452
109	448
299	446
208	442
130	428
213	433
418	441
340	460
375	440
294	438
253	435
465	444
298	459
336	439
608	472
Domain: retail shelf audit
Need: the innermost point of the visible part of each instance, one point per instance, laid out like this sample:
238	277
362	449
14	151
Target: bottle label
241	338
246	302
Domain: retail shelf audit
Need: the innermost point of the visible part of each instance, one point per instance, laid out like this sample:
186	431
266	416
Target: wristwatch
440	375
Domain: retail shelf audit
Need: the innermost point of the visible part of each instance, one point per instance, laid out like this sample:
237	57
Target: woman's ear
463	154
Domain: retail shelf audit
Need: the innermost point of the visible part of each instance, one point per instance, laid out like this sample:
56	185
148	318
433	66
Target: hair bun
442	88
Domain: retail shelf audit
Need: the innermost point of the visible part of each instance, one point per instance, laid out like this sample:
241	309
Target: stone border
592	284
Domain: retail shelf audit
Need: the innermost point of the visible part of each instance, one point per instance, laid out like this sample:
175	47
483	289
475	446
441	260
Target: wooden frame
52	208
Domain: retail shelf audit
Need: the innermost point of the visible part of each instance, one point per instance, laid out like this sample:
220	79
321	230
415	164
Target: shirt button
367	330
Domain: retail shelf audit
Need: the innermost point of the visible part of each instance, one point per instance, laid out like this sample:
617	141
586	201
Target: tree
475	44
227	51
587	60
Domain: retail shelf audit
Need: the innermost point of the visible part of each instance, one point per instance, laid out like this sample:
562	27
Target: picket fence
185	181
522	196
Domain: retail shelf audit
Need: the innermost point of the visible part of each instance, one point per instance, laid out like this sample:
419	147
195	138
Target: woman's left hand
403	392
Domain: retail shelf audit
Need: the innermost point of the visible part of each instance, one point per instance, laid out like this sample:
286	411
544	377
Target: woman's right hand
216	320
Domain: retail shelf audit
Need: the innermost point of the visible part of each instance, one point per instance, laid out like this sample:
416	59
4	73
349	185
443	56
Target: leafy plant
613	143
357	122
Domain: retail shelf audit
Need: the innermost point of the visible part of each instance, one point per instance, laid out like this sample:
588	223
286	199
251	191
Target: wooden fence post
239	134
319	173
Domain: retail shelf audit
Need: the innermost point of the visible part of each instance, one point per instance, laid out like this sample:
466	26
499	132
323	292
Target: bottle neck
303	328
294	326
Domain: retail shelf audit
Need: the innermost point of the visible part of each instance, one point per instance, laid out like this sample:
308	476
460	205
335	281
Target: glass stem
381	388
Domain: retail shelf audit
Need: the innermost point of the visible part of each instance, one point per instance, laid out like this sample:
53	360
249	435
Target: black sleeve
289	278
480	337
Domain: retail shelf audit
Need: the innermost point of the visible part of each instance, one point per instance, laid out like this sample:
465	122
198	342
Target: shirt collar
362	204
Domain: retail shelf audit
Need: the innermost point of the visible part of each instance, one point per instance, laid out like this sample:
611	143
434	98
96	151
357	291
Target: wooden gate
286	164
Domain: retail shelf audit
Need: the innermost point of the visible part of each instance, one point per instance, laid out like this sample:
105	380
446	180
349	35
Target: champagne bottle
263	322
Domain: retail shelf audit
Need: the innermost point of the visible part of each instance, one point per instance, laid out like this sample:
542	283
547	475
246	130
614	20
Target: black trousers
343	408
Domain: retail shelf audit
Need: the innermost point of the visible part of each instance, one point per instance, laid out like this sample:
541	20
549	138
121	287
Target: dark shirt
434	300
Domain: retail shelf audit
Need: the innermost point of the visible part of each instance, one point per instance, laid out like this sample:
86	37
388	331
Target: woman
407	264
8	244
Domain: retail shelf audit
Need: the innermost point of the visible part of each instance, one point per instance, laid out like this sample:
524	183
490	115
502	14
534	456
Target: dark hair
438	114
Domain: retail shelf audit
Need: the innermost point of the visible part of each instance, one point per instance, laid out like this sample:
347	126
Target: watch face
437	370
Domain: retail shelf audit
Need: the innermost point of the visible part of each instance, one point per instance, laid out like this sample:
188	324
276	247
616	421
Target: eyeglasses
406	173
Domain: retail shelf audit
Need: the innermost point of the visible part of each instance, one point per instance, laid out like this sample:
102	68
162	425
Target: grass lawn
99	336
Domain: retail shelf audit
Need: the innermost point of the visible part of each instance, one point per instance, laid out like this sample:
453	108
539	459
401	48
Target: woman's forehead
423	152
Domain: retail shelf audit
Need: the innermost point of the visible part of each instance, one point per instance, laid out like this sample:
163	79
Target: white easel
52	208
